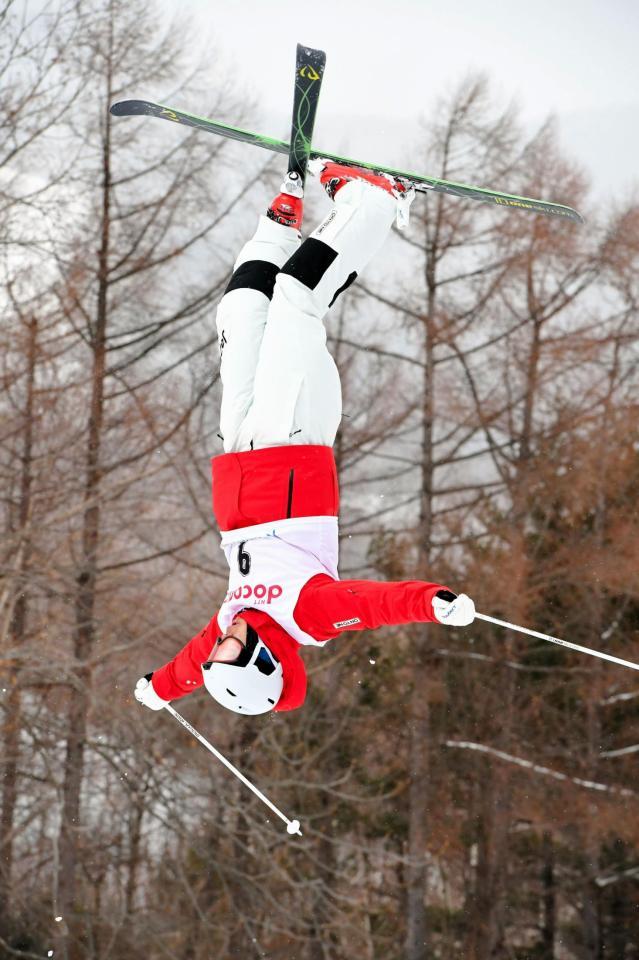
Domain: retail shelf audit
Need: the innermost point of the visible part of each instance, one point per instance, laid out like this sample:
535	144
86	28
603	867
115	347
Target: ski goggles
262	658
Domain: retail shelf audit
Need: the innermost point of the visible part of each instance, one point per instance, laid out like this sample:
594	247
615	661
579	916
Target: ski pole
292	826
562	643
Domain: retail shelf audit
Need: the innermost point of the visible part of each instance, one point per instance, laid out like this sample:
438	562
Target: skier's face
229	647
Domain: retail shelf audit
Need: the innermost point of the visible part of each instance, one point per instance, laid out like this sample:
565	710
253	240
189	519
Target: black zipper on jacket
289	505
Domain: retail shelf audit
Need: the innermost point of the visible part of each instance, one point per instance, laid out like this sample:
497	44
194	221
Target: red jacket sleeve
326	607
183	674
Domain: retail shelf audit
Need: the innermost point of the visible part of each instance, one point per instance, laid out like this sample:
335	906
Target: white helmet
251	684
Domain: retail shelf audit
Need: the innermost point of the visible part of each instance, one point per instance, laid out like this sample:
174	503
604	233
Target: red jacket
272	484
323	604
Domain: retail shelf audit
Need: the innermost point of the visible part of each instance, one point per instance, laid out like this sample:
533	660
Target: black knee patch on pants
254	275
310	262
350	279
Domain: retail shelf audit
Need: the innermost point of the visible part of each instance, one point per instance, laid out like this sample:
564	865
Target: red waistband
274	483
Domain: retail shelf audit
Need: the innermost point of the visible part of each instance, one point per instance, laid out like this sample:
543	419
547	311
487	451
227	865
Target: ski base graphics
309	69
423	184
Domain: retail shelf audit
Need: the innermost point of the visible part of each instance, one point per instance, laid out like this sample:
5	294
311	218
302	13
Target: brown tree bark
17	629
84	629
485	917
419	712
548	898
445	231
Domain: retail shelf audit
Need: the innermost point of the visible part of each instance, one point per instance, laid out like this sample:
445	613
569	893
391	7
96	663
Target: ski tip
558	210
547	208
131	108
118	109
122	108
312	53
567	213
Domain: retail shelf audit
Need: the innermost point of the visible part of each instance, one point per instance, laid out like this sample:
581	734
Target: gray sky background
387	63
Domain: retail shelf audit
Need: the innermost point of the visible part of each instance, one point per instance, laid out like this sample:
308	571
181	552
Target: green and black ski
130	108
309	69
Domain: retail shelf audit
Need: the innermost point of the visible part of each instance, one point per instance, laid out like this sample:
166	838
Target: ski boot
288	206
334	175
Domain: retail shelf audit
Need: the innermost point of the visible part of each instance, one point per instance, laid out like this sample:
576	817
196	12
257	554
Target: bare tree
459	791
36	93
121	202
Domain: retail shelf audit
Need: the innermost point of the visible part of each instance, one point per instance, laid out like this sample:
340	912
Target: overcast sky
388	62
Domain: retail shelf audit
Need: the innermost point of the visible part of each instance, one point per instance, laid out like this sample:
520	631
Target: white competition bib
272	562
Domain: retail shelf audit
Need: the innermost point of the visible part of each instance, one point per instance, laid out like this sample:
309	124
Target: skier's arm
183	674
326	606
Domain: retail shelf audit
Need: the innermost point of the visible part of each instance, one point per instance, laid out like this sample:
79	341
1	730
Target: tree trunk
485	929
84	629
241	945
549	912
17	631
418	765
419	724
591	896
320	940
136	816
617	938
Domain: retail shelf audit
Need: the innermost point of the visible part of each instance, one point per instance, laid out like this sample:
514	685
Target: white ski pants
280	383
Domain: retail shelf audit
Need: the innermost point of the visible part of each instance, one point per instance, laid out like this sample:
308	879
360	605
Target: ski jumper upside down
275	489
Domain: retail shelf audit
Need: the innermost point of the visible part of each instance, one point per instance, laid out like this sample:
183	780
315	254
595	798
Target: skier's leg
297	394
241	318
